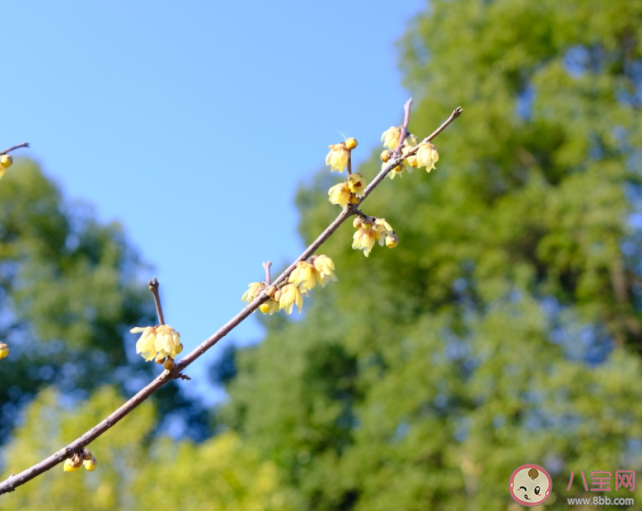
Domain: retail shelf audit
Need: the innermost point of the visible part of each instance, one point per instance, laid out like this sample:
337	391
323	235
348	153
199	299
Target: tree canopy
505	327
70	288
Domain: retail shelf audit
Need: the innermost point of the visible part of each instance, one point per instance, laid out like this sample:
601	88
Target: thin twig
16	480
456	113
349	167
6	151
404	128
268	276
153	287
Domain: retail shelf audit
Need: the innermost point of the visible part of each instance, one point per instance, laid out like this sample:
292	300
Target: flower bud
72	463
351	143
160	358
169	364
90	464
385	155
6	160
356	223
353	199
4	350
86	454
392	240
69	466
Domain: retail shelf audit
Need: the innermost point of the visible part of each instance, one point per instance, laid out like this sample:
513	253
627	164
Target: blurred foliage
505	328
70	288
49	424
134	472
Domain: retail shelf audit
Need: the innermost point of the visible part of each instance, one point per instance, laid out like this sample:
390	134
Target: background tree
134	471
70	288
505	328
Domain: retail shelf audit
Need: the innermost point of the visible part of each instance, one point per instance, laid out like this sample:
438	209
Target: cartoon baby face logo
530	485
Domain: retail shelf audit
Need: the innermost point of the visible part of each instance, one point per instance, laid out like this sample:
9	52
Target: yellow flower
339	194
427	156
356	183
410	142
412	161
254	290
303	276
338	157
289	295
364	239
4	350
5	162
162	339
168	341
397	171
269	307
145	345
385	155
324	268
391	136
383	229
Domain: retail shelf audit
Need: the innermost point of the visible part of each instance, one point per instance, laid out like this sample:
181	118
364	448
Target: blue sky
193	123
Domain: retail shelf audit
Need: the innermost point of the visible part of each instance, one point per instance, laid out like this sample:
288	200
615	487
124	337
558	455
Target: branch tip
13	148
153	287
268	276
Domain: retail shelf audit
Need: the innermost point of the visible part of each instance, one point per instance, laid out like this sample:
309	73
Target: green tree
49	423
505	328
70	289
135	471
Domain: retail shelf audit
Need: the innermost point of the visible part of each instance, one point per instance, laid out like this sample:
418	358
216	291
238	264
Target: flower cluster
302	279
83	457
371	229
349	191
5	162
161	342
425	155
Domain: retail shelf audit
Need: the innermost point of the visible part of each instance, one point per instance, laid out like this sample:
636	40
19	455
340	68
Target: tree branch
15	480
7	151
